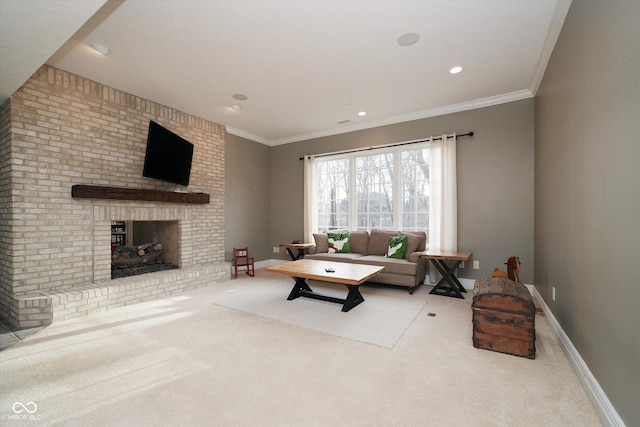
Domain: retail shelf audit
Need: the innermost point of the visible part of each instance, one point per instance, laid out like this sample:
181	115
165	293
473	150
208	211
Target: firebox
139	247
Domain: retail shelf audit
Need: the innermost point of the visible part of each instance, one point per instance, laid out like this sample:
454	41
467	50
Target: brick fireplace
60	130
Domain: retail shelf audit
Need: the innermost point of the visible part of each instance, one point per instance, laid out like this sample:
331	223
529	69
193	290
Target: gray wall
495	180
248	197
587	192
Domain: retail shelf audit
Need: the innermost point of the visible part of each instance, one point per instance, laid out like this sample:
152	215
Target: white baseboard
468	284
603	405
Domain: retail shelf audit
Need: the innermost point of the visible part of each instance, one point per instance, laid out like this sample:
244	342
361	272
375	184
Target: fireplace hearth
141	269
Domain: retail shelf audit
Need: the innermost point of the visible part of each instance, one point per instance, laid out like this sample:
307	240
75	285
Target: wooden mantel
117	193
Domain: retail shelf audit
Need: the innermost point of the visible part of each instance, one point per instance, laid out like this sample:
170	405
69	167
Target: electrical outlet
553	293
275	249
461	265
476	265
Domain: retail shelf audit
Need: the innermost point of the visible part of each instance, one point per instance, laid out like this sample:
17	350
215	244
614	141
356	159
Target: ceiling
306	67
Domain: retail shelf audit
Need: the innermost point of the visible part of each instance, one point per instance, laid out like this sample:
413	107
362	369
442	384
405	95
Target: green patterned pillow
397	246
339	243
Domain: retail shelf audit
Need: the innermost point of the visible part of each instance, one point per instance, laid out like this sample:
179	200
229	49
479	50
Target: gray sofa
371	248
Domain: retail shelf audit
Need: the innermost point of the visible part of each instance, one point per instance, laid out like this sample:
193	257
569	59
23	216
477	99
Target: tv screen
168	157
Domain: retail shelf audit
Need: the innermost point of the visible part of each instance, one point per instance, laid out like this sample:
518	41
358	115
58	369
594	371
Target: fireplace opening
140	247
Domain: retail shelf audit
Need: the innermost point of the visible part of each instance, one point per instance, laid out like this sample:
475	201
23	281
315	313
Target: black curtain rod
436	138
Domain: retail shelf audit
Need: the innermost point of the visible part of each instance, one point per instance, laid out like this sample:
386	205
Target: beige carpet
187	361
381	319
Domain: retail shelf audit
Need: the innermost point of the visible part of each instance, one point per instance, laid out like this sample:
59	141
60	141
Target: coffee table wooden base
302	289
342	273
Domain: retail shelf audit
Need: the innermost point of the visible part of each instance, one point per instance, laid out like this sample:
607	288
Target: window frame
396	185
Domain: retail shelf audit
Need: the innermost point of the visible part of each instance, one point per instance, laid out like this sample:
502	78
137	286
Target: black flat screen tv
168	156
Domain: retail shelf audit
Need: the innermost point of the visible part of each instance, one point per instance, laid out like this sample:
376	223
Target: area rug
381	319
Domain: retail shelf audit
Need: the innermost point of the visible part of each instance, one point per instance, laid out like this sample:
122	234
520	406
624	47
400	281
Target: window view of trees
388	191
415	189
332	180
374	192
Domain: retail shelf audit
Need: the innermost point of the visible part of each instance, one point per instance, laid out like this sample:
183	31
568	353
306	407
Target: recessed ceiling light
362	113
236	107
455	70
240	97
408	39
101	49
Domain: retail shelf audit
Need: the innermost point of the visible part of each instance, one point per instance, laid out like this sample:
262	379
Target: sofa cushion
322	245
417	241
397	246
391	265
339	242
379	241
337	257
359	242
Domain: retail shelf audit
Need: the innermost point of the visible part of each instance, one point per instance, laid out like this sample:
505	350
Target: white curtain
310	211
443	202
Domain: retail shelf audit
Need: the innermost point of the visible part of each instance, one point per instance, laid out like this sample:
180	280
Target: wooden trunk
504	317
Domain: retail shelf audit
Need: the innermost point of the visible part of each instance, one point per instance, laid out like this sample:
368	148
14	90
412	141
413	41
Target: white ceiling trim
555	26
247	135
522	33
432	112
560	11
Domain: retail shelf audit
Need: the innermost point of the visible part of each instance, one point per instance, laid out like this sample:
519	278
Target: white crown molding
247	135
432	112
555	26
557	21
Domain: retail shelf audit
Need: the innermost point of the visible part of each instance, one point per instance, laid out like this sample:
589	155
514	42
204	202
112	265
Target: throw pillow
397	246
339	243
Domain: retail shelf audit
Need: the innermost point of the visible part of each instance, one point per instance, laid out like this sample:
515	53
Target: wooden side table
449	285
301	247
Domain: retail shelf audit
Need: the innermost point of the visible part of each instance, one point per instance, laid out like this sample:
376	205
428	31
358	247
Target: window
374	192
332	192
388	190
415	189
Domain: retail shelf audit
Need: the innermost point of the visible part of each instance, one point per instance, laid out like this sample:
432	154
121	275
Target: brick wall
58	130
6	248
